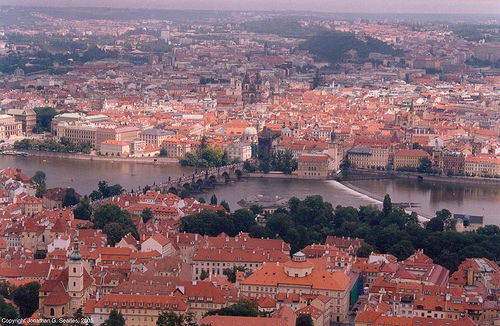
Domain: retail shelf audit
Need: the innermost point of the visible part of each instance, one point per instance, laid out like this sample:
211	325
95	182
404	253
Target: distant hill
281	27
333	46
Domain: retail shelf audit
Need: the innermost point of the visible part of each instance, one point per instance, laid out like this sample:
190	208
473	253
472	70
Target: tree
114	232
184	193
26	298
7	310
95	195
79	317
146	215
115	319
70	198
83	211
213	200
204	274
170	318
256	209
241	308
225	205
40	190
387	205
108	214
304	320
425	165
231	272
39	179
146	189
44	118
201	200
163	152
365	250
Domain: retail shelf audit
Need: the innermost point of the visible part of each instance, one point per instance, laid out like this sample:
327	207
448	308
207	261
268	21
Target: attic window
132	304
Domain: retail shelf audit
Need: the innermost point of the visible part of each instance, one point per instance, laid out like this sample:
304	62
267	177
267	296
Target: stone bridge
205	179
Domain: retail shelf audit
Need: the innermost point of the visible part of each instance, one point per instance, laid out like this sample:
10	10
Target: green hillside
333	46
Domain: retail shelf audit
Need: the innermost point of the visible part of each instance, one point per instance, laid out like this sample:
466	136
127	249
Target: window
52	312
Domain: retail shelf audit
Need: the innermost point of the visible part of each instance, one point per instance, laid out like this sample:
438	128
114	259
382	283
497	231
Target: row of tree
282	161
390	230
64	145
206	156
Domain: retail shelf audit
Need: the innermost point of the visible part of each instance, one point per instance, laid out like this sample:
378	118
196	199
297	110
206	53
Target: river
432	196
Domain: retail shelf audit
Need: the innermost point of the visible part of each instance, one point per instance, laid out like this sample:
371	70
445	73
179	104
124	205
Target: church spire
75	256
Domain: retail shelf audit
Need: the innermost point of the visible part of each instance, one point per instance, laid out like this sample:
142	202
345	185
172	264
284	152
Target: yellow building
313	166
140	310
409	158
299	276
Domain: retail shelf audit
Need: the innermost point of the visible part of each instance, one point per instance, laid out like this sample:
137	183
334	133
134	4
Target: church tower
75	277
333	150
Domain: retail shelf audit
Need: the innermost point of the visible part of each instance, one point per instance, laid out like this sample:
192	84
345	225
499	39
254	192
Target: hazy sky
365	6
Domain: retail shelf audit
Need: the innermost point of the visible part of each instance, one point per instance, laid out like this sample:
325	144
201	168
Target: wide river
431	196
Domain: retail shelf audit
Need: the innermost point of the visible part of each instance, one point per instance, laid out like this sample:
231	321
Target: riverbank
358	174
89	157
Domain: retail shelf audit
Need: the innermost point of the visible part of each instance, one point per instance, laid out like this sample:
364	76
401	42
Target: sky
351	6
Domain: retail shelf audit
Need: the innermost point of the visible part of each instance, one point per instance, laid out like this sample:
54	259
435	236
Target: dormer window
132	304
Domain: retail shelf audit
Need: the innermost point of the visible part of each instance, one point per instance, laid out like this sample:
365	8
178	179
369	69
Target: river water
431	196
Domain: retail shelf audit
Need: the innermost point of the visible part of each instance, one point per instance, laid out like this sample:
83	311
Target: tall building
69	291
300	276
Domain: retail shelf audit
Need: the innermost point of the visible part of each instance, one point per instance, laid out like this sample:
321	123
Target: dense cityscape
218	99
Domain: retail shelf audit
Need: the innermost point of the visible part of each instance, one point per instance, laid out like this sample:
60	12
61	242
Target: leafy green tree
256	209
170	318
95	195
425	165
44	118
79	317
225	204
304	320
163	152
7	310
213	200
26	298
146	215
387	205
365	250
83	211
242	308
39	178
114	232
201	200
243	220
231	272
204	274
208	223
258	231
184	193
109	213
402	250
6	289
115	319
70	198
40	190
146	189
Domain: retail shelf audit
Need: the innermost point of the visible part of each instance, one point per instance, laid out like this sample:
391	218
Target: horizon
417	7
